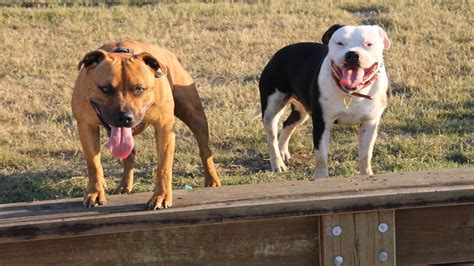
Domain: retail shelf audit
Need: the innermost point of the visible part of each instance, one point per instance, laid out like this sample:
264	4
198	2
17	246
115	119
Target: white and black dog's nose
352	59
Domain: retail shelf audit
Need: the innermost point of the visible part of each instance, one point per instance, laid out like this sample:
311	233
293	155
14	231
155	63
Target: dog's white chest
352	111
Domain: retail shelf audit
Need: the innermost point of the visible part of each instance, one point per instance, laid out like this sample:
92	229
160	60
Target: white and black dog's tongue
352	77
121	142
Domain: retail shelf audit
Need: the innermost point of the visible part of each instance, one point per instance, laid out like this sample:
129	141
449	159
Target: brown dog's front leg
165	141
90	140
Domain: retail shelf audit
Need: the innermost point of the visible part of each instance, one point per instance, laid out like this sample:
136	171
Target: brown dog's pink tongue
121	142
352	77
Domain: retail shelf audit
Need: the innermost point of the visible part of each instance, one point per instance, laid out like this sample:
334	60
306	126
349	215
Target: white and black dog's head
355	53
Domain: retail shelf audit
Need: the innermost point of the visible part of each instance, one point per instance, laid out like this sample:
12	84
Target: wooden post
435	235
365	238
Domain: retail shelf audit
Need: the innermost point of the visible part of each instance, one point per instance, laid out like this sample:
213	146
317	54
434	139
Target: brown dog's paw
213	183
93	199
123	190
159	201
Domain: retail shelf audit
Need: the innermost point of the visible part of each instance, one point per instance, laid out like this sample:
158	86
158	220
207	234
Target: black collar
122	50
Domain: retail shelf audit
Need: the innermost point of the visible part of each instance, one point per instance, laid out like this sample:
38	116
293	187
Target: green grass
429	124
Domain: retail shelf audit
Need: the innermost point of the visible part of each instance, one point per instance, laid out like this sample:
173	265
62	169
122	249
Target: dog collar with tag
347	99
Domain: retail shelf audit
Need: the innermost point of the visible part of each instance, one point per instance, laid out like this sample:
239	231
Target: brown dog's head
121	90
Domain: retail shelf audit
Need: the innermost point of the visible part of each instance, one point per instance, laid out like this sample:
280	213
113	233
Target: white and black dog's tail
257	114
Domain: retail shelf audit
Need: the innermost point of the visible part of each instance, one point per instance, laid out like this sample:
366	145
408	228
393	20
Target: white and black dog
341	81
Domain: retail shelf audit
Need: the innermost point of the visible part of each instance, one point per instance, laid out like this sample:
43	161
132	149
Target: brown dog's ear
153	63
92	58
328	34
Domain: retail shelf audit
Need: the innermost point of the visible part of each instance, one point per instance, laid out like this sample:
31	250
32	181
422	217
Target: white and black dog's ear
386	40
328	34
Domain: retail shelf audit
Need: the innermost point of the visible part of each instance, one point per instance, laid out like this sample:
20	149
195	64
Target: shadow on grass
452	124
71	155
397	89
370	14
460	112
385	23
40	185
459	157
366	9
69	3
245	165
58	184
451	117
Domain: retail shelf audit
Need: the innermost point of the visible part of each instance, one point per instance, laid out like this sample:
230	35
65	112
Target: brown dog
126	86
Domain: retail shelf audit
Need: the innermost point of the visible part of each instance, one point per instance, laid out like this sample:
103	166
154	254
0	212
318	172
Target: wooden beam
366	238
287	241
125	213
435	235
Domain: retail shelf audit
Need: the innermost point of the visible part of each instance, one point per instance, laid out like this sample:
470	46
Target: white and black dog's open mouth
354	78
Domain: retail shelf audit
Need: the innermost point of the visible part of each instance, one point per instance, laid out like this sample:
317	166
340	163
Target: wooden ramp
415	218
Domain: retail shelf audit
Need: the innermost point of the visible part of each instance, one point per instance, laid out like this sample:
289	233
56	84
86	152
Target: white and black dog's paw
278	166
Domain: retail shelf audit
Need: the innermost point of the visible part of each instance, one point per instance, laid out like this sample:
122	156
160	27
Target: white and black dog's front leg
367	136
321	134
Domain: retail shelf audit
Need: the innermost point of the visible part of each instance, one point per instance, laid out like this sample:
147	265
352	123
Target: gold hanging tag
347	104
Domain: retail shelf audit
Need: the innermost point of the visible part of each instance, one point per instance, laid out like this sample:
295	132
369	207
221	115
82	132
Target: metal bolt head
383	227
383	256
336	230
338	260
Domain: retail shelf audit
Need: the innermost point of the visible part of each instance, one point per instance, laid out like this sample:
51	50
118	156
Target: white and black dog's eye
340	43
369	44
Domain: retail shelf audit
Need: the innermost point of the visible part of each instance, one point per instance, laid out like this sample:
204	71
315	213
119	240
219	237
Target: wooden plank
284	241
435	235
65	218
354	239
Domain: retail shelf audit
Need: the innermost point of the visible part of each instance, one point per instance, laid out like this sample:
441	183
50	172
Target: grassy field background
429	124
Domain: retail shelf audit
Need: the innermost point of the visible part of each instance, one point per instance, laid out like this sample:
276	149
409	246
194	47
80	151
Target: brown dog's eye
138	90
107	90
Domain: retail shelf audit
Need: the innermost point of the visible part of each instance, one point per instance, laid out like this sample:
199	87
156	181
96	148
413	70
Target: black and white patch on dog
341	80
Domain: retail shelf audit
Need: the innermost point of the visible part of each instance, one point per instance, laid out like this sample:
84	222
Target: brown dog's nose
124	119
